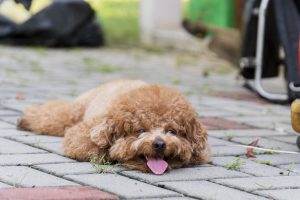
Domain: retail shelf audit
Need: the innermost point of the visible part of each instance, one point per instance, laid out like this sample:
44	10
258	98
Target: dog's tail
52	118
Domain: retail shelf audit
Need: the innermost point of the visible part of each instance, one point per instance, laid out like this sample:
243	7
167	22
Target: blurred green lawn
119	19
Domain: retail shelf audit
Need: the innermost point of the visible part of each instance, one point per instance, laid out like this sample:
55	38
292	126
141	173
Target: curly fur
105	123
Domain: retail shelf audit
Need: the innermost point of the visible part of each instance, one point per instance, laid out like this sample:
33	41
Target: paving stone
285	194
54	147
218	142
32	159
172	198
215	113
3	185
288	139
10	119
183	174
279	159
76	168
55	193
266	143
227	151
9	112
266	125
28	177
221	123
4	125
36	139
245	133
208	190
247	119
243	96
12	147
122	186
291	167
261	183
242	110
9	133
250	167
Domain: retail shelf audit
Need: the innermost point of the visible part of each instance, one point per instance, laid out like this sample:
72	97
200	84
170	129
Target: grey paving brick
208	190
32	159
54	147
291	139
242	110
227	151
266	143
3	185
12	132
279	159
267	124
218	142
245	133
77	168
122	186
250	167
9	112
285	194
28	177
10	119
36	139
183	174
291	167
12	147
215	113
265	119
172	198
5	125
261	183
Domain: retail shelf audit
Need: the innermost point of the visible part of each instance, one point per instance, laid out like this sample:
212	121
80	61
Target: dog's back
98	100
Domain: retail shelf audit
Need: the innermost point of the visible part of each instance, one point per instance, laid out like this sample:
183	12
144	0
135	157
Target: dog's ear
198	139
108	130
101	135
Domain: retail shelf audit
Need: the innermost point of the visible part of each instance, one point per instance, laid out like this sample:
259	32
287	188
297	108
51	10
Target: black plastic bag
62	23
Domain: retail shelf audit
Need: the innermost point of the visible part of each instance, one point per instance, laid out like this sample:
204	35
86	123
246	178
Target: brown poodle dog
142	126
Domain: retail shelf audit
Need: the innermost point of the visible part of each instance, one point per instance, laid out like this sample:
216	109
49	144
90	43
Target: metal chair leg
259	56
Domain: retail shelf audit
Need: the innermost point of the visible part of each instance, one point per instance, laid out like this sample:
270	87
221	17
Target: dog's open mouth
157	165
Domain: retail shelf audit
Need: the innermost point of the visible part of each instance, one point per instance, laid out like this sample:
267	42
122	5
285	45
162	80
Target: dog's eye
171	131
140	131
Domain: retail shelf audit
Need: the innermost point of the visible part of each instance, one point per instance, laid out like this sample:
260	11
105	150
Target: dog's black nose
159	145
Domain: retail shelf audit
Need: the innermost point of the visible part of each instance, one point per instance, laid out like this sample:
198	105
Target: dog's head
152	128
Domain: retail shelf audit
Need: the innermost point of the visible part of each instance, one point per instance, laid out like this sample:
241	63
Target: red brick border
55	193
215	123
243	96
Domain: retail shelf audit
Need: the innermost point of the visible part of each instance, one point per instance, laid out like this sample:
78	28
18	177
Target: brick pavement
32	165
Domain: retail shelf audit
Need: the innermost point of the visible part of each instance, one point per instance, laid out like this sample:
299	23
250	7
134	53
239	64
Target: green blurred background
119	18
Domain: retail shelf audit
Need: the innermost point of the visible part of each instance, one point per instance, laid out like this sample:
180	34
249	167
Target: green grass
187	93
236	164
291	167
101	165
120	20
37	68
176	81
91	65
263	187
264	162
229	136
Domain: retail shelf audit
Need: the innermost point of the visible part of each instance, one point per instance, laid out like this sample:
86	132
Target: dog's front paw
23	124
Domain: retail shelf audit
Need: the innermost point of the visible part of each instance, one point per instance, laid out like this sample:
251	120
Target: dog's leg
78	145
51	118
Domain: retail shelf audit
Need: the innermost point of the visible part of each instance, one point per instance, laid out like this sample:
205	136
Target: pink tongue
157	166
